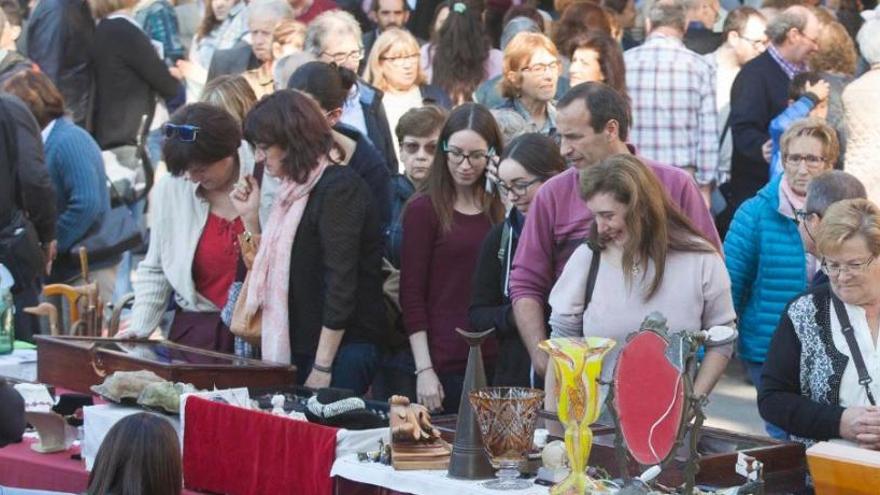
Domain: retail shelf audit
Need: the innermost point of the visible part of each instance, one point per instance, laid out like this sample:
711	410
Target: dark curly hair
293	121
461	50
327	83
579	18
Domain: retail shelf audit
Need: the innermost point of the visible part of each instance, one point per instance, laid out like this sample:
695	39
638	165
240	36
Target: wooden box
841	468
77	363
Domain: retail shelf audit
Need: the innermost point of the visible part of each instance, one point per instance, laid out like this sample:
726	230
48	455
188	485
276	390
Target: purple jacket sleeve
533	269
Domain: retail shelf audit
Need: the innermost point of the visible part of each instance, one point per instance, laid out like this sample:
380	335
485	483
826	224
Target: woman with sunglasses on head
194	249
767	261
316	277
443	227
840	397
527	162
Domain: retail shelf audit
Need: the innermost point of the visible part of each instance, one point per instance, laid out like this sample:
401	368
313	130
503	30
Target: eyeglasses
833	269
400	59
517	189
756	44
801	215
475	158
813	40
541	68
184	132
813	162
342	57
412	148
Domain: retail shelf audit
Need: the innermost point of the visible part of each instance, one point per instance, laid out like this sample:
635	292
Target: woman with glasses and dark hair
531	73
316	277
829	336
527	162
194	247
767	261
443	227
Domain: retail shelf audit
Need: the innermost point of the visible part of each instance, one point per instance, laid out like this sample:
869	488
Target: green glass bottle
7	312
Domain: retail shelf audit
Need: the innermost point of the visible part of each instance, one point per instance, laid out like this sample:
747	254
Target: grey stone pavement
733	404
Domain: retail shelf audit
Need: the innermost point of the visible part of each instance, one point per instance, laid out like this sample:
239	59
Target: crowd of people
349	183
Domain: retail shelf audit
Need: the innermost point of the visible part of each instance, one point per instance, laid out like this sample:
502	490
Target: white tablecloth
20	365
415	482
97	421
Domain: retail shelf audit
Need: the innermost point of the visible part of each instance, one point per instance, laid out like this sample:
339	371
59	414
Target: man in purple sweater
592	121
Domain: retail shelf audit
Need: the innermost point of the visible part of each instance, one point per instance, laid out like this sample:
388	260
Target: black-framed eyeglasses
475	158
412	147
813	162
833	269
517	189
541	68
184	132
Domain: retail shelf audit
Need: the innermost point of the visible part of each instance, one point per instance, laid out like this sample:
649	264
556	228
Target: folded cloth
237	451
343	409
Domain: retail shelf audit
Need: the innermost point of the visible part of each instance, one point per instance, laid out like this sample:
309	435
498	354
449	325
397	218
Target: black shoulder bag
591	277
849	335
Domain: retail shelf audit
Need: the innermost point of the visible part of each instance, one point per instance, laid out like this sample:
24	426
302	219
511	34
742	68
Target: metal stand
469	459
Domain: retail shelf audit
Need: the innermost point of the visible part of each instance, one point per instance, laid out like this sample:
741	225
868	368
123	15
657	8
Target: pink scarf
797	201
268	285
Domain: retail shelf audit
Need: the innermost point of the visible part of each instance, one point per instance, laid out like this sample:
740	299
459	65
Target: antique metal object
469	460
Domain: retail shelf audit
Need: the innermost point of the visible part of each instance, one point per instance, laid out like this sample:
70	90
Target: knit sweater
77	170
767	265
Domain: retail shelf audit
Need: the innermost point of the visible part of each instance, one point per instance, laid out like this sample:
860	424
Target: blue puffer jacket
767	264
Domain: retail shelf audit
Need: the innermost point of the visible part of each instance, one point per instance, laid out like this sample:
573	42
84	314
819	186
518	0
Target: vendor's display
341	409
143	388
841	468
469	460
415	442
577	364
77	363
507	418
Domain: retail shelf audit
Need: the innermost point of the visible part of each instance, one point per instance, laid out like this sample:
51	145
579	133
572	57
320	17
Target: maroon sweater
436	269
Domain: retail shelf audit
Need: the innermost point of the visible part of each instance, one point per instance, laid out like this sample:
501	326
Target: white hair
869	41
335	23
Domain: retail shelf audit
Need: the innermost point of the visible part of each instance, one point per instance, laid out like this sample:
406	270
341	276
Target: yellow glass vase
577	364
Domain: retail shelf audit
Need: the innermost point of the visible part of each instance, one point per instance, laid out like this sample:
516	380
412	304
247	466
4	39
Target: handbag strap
848	333
591	277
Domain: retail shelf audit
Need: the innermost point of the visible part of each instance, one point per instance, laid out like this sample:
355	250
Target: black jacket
809	410
370	166
758	95
128	74
491	306
25	184
59	37
235	60
378	129
335	266
701	40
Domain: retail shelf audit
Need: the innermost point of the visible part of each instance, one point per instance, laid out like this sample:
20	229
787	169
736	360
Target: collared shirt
789	68
353	112
48	130
549	127
674	114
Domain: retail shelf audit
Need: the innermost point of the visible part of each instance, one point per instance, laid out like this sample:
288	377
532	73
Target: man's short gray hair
831	187
278	10
669	13
334	23
792	17
869	41
287	65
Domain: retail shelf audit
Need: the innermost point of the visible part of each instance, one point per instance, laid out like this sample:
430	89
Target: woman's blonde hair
290	31
231	93
103	8
655	225
392	40
837	51
845	220
816	128
517	55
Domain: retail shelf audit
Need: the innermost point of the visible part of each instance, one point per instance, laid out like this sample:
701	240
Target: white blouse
851	393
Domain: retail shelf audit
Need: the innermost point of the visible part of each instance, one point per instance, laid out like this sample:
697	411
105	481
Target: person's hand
820	88
861	425
245	198
50	252
184	68
429	390
767	150
176	73
539	362
318	379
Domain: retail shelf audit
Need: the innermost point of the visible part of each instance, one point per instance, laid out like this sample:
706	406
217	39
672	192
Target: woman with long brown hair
443	228
652	258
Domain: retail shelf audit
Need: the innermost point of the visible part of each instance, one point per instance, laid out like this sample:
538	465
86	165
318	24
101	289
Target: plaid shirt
789	68
674	114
